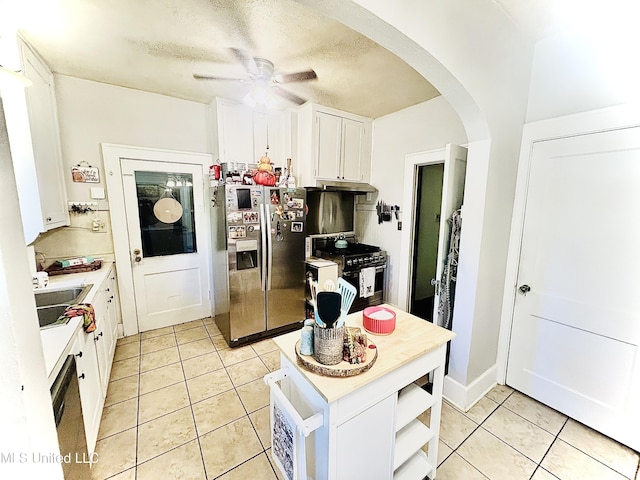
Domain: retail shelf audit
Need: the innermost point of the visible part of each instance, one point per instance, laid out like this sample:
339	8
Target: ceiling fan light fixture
260	96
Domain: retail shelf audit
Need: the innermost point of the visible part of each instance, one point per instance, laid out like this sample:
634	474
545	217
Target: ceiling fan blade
296	77
215	77
292	97
246	60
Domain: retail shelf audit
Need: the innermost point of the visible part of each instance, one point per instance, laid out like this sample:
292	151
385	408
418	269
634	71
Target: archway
480	63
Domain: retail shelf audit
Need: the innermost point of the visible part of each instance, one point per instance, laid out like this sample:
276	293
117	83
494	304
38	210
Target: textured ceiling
157	45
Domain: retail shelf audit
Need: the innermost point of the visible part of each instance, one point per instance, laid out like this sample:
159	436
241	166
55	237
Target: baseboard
465	397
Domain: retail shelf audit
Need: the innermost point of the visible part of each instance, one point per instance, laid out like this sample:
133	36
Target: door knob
524	289
136	255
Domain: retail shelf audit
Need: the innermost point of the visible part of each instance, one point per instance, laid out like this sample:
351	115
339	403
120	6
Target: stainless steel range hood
337	186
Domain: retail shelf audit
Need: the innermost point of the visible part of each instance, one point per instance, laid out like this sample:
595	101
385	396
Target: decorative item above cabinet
333	145
34	140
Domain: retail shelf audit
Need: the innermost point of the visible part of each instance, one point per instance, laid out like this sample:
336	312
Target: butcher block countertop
412	338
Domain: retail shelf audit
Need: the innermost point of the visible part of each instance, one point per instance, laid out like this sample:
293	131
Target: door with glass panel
165	220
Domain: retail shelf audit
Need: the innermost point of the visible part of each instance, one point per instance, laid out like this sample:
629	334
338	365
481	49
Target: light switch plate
97	193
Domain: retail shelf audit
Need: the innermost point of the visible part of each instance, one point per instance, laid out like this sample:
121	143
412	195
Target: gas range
355	256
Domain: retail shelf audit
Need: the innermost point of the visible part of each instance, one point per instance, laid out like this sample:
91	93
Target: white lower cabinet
105	334
95	357
91	396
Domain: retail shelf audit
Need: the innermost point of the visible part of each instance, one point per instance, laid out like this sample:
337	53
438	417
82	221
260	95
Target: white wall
91	113
426	126
574	73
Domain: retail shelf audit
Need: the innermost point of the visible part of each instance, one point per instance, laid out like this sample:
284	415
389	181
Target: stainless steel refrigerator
259	260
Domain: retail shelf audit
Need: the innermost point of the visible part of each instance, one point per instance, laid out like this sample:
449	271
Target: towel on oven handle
367	282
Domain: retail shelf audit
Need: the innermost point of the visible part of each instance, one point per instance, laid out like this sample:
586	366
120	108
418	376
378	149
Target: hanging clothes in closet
450	272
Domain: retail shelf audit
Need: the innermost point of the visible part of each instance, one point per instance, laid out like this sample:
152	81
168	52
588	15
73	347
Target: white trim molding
411	164
465	397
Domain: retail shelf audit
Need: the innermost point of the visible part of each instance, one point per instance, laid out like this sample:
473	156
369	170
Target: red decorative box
378	320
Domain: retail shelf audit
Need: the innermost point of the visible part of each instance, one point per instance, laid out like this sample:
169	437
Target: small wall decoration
85	173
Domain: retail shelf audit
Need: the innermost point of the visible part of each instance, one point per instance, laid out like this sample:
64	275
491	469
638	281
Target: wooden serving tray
342	369
57	269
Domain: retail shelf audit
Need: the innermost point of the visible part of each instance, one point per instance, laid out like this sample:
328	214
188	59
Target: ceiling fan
264	79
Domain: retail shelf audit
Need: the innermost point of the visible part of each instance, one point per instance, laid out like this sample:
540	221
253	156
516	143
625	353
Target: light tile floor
182	405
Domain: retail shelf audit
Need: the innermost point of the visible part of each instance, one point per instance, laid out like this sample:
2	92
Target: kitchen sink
50	304
68	296
48	316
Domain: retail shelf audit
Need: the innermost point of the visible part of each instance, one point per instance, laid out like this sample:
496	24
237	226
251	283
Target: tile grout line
235	389
181	361
556	437
135	467
478	425
193	416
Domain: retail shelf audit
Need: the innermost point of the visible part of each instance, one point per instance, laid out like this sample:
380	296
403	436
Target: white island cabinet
363	426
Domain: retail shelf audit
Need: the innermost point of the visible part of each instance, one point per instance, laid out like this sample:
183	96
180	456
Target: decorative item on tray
74	265
354	348
379	320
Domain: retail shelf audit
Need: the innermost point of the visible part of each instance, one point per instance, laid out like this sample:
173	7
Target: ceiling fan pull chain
267	133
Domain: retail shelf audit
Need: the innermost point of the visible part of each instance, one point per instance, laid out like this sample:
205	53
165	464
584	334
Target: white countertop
58	341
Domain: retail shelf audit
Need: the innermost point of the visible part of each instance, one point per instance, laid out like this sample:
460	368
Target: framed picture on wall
85	174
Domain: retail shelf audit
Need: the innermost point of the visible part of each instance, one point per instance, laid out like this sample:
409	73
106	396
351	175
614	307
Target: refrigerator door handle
269	249
264	210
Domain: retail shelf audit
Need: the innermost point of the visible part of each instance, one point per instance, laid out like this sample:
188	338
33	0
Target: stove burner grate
352	249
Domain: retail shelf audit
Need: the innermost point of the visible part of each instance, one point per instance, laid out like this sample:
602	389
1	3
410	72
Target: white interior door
455	169
166	228
576	319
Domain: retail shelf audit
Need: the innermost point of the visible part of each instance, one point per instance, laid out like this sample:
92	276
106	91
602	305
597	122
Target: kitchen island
363	426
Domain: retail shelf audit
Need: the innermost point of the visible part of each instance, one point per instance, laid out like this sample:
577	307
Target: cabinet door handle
81	376
79	354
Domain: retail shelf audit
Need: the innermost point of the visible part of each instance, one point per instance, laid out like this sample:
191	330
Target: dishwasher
67	410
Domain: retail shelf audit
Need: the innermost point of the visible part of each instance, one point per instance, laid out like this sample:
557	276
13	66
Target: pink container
379	320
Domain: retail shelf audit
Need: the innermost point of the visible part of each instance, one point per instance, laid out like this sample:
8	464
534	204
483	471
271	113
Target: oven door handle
355	273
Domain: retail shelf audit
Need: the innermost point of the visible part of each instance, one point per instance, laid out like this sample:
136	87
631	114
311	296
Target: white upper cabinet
356	150
32	124
328	130
332	145
243	133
